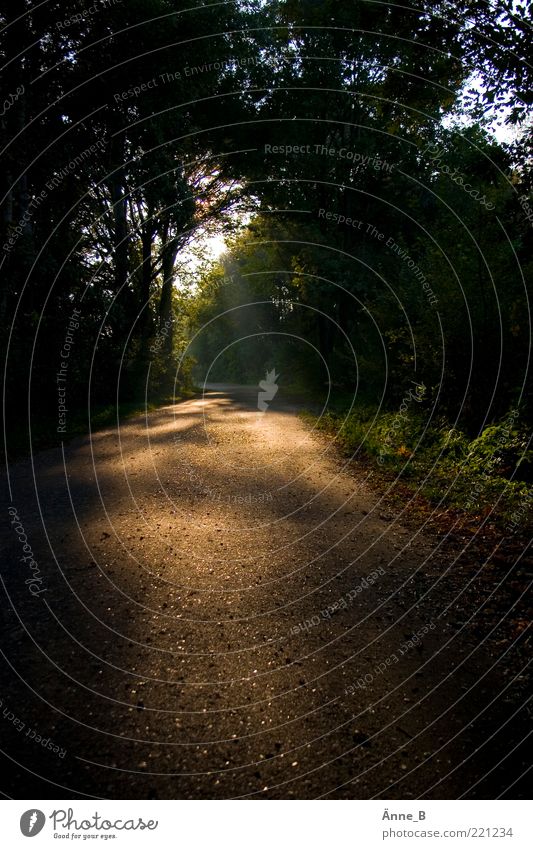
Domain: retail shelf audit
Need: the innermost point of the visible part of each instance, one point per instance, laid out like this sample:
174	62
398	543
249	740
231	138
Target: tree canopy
351	146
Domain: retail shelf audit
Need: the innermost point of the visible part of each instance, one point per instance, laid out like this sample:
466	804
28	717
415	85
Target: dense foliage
388	235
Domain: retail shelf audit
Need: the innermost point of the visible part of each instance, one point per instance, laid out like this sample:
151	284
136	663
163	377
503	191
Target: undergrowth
491	473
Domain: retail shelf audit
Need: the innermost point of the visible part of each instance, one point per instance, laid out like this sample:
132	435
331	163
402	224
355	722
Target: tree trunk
117	190
147	239
166	313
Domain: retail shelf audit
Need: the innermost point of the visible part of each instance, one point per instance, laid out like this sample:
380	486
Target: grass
491	473
44	430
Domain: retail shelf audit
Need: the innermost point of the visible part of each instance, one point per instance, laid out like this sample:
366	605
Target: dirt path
221	609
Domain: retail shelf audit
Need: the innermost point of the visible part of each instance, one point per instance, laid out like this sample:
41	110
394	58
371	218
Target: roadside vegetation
487	476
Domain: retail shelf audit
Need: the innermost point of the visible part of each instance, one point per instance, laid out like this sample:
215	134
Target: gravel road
214	604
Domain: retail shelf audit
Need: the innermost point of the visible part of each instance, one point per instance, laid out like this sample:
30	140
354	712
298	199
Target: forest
265	323
377	235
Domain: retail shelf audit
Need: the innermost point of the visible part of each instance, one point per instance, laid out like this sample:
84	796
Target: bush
472	474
